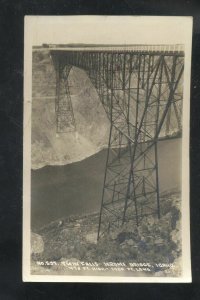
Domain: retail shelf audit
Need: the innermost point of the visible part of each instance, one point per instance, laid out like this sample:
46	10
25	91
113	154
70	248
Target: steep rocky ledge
92	125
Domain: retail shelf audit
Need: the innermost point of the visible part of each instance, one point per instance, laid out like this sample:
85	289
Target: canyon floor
73	240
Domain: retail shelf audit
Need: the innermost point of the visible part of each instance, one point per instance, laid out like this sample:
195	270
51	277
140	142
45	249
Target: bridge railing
116	48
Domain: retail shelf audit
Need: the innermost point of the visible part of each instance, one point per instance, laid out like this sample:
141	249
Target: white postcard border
105	30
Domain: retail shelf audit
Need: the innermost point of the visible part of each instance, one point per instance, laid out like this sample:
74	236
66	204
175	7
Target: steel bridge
141	90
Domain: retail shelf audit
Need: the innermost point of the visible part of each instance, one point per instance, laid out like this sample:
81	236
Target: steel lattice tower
65	121
141	90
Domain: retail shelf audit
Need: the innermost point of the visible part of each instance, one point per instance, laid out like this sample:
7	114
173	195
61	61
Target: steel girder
65	120
142	94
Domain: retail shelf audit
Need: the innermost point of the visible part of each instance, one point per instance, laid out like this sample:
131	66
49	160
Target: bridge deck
162	48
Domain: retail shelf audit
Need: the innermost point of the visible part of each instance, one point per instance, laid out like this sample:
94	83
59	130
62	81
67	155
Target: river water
60	191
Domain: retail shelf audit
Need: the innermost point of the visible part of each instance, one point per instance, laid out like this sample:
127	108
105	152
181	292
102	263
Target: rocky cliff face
92	125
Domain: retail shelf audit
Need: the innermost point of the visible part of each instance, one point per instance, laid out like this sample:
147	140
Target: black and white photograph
106	149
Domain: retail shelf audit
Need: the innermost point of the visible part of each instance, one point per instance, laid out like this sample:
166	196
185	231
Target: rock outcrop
92	124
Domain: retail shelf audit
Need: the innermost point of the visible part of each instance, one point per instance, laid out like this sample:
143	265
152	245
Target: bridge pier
65	120
141	92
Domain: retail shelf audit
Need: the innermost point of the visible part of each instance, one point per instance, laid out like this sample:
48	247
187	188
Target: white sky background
108	30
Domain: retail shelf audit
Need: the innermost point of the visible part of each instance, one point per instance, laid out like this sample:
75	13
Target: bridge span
141	90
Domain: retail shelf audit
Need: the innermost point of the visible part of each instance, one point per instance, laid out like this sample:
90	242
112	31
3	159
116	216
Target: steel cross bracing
65	121
142	94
